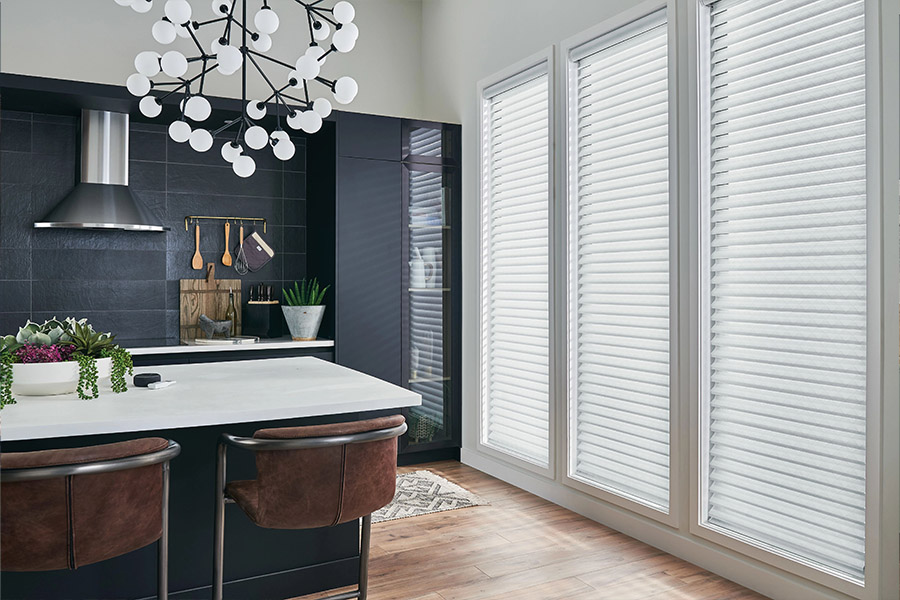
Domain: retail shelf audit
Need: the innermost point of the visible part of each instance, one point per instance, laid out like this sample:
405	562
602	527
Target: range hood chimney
102	200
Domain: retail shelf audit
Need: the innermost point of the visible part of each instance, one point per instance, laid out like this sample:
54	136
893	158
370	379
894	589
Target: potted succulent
303	309
60	357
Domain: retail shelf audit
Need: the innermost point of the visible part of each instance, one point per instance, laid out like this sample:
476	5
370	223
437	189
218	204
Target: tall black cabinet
386	236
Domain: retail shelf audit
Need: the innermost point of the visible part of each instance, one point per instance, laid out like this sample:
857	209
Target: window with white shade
619	262
515	334
783	294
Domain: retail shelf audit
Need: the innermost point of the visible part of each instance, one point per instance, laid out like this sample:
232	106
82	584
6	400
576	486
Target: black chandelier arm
202	50
269	58
306	93
329	82
309	23
184	82
321	13
226	126
199	24
277	92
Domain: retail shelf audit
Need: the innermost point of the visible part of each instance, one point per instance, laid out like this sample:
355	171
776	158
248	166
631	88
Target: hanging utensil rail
193	218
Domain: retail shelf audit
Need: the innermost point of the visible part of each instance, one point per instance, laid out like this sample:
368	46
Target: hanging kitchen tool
240	263
226	258
258	252
197	261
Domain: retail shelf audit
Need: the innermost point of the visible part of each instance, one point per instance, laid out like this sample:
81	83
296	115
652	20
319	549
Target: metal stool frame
257	445
163	456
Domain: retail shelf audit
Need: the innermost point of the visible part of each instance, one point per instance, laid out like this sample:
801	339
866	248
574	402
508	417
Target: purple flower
35	353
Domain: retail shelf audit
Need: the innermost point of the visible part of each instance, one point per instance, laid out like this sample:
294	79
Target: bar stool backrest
67	508
325	486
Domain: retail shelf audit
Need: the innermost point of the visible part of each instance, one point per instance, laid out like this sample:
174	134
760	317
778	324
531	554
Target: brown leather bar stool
314	476
67	508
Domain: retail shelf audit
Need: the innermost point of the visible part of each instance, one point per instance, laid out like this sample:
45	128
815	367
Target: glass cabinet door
430	189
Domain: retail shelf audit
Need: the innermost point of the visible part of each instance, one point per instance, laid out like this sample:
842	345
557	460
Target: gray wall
123	281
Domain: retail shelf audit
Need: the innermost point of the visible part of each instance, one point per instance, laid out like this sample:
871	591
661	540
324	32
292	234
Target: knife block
263	319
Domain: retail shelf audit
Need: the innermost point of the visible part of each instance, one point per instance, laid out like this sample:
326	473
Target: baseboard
759	577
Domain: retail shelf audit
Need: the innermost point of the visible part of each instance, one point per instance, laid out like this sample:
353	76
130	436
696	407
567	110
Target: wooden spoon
226	258
197	261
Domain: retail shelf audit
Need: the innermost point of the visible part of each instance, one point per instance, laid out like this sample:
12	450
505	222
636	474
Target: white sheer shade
515	269
785	395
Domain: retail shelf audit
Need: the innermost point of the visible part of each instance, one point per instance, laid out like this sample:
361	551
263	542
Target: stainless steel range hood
102	200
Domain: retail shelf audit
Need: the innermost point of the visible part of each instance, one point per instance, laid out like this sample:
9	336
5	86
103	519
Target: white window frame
878	468
576	46
487	87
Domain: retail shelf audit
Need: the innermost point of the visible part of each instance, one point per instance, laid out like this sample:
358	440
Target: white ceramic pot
303	321
51	379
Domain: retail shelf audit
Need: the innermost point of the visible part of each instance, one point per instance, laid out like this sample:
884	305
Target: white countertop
264	344
208	394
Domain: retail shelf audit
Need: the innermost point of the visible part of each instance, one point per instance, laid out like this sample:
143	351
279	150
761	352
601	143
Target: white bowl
51	379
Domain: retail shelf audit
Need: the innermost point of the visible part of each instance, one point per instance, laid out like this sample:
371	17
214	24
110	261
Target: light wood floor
524	548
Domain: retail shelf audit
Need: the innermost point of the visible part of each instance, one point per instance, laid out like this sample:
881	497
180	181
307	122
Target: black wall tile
15	167
15	136
11	321
221	180
295	240
53	138
147	145
15	295
294	185
145	175
87	295
16	220
99	264
15	263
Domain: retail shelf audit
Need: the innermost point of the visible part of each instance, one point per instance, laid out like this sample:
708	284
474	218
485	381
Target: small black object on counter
145	379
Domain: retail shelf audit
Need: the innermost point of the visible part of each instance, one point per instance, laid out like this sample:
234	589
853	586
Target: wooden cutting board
206	297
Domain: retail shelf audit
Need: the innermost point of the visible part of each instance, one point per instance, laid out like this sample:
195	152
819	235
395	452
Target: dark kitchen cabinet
368	287
369	136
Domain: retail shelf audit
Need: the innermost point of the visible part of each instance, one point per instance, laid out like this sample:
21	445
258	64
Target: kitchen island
210	398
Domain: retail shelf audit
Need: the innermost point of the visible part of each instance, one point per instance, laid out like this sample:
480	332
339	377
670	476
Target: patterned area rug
422	493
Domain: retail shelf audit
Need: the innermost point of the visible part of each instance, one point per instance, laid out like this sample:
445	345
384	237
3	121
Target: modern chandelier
241	45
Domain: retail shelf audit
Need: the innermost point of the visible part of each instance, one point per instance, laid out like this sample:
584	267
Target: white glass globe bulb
174	64
147	63
178	11
343	40
179	131
280	135
294	120
345	90
150	106
197	108
352	29
141	6
254	111
230	151
322	32
220	7
344	12
256	137
283	149
266	20
322	107
229	59
307	67
137	84
296	78
124	2
163	32
201	140
263	43
244	166
310	121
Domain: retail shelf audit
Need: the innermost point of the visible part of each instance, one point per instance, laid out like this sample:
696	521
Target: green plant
6	376
83	345
304	294
87	377
121	363
89	342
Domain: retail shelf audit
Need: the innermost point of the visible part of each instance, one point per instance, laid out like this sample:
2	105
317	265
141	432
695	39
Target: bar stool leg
162	567
364	542
219	539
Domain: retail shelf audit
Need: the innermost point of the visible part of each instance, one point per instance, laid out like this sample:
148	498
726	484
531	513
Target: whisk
240	261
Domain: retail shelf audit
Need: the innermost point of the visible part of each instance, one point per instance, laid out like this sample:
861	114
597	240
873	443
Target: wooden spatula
197	261
226	258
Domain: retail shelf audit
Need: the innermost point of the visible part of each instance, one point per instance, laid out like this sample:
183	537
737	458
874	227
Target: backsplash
124	281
